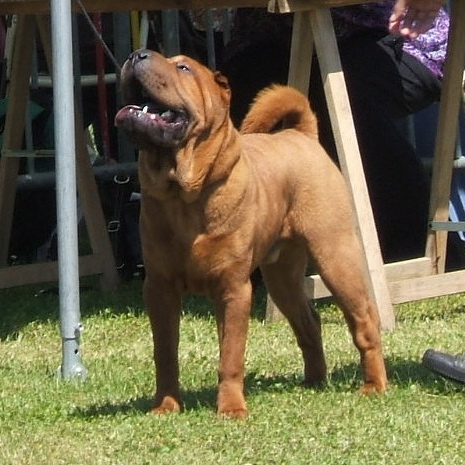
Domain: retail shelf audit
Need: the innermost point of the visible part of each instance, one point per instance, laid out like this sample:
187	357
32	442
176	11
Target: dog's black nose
139	55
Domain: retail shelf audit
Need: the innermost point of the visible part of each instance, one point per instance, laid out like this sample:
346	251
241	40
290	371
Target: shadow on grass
110	409
193	400
405	373
402	374
203	399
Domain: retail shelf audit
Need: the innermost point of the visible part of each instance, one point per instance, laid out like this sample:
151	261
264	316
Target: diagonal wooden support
18	93
451	100
414	279
101	261
314	29
349	158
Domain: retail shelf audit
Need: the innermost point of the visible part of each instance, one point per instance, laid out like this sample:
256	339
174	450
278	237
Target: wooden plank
14	126
349	158
301	46
413	268
93	212
272	313
101	6
398	271
288	6
451	99
34	273
315	287
427	287
341	117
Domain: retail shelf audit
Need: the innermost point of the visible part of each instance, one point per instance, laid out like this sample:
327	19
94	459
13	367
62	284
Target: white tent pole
65	166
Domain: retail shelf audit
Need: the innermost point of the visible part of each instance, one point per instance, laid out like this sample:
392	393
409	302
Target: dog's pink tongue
122	114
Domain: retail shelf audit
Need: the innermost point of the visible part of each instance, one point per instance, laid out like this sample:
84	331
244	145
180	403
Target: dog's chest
201	263
189	248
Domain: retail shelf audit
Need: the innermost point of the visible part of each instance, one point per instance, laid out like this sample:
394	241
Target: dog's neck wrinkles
185	173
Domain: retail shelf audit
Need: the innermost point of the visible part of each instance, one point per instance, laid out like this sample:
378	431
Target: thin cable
99	37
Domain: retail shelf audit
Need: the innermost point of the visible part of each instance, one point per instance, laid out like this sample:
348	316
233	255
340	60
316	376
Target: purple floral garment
429	48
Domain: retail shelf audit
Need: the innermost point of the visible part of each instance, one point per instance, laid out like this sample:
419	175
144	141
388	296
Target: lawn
104	420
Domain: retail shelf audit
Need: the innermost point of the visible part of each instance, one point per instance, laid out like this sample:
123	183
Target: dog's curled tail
280	107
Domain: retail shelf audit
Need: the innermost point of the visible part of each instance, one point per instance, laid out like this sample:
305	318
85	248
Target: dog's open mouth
150	124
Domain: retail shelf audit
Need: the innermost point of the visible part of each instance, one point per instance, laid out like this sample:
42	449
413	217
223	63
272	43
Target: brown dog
216	204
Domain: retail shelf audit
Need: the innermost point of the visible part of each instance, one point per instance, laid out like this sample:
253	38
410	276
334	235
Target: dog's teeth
145	109
167	114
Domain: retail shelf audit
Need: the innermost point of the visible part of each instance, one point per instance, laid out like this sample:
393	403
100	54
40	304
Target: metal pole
68	260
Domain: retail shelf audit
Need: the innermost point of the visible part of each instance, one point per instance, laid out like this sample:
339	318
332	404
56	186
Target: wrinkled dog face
166	102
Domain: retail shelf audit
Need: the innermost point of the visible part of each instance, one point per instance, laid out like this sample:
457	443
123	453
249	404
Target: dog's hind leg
340	266
284	281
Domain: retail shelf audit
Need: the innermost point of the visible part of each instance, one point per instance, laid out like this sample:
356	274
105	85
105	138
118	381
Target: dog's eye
183	67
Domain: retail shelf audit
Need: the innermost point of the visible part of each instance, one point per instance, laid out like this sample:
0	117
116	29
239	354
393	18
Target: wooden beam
21	275
398	271
288	6
427	287
101	6
451	100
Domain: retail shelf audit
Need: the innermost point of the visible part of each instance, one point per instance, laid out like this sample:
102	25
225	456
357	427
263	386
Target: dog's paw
318	382
167	405
235	414
372	387
315	379
231	402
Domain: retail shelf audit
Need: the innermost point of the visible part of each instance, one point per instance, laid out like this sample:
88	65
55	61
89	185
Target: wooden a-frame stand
101	261
408	280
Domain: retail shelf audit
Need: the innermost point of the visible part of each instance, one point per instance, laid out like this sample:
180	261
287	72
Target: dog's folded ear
221	80
223	83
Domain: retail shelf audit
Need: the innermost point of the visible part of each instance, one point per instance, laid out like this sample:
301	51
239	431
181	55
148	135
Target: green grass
104	420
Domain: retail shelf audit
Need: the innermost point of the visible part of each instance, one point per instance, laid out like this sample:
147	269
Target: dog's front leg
232	312
163	304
